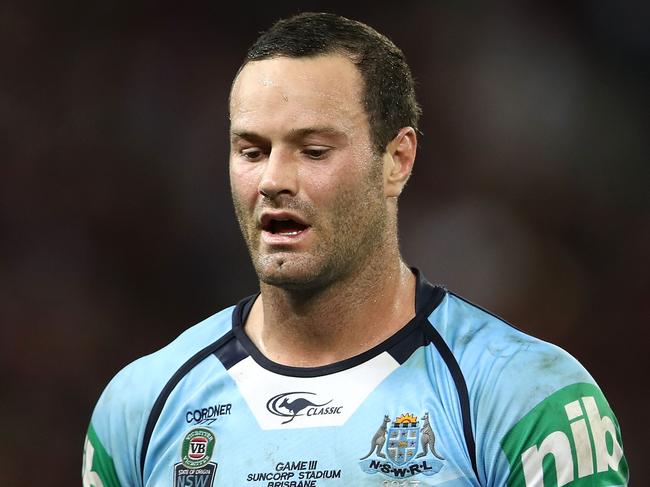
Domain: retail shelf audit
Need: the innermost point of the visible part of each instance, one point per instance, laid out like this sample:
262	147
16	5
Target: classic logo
197	448
401	442
292	404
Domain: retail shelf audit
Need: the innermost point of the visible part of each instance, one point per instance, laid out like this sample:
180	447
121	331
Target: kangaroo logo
378	440
293	404
427	438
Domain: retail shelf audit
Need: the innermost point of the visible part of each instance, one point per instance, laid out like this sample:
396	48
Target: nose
279	176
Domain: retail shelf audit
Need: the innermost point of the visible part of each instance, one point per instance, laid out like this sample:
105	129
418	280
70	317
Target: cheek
244	185
339	201
324	185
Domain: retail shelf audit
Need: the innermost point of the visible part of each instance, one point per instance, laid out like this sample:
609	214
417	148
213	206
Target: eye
316	152
252	154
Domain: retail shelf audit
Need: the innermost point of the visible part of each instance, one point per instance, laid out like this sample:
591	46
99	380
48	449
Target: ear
398	161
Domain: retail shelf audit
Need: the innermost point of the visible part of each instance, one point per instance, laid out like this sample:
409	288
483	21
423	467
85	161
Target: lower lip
284	239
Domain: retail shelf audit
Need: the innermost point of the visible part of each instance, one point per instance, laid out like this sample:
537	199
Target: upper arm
98	468
548	426
113	440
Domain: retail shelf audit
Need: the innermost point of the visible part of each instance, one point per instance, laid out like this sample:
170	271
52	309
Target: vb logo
197	447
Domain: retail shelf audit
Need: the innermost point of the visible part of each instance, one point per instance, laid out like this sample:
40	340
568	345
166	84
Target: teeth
290	234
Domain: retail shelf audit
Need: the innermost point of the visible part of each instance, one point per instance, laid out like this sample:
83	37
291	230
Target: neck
336	322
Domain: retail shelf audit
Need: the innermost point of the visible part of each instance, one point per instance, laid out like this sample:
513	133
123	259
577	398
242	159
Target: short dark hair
388	92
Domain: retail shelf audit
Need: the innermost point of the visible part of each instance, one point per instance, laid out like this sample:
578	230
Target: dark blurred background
116	229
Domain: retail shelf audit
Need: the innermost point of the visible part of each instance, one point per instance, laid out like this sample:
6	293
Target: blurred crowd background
529	195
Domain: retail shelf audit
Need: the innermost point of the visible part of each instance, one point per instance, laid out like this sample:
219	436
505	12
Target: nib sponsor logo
292	404
562	446
582	440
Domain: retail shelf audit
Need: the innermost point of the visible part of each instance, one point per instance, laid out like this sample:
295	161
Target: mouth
283	225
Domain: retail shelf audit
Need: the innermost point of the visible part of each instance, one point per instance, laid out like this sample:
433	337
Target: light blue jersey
455	398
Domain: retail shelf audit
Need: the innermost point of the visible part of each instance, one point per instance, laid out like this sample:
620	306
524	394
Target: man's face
307	188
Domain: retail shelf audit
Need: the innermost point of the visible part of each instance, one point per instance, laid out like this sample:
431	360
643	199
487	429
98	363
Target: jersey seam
461	389
438	294
166	391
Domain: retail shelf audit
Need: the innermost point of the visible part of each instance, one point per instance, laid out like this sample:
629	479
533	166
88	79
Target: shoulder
169	358
528	398
120	416
142	380
508	372
493	353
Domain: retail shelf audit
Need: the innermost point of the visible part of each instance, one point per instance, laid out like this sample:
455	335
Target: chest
379	424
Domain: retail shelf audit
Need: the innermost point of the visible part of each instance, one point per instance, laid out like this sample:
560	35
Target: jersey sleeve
113	444
538	417
543	421
98	469
113	439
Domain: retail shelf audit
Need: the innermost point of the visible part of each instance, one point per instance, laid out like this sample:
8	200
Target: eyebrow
244	134
293	135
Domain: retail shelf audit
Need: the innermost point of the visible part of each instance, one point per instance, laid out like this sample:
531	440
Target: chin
287	272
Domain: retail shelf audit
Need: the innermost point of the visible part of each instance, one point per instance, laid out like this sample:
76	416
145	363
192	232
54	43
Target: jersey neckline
427	299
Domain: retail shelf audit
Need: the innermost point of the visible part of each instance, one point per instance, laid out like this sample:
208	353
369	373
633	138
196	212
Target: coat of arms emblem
403	437
403	447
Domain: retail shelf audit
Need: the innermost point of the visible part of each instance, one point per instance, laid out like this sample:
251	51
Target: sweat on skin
301	149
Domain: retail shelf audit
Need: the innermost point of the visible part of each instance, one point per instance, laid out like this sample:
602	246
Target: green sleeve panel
571	438
98	468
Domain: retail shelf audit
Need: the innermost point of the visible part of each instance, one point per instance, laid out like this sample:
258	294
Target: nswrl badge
403	440
195	468
409	449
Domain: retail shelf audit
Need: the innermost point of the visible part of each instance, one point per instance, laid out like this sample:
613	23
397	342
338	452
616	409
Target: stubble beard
354	230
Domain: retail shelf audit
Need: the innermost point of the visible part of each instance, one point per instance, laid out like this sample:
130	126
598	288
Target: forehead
298	91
